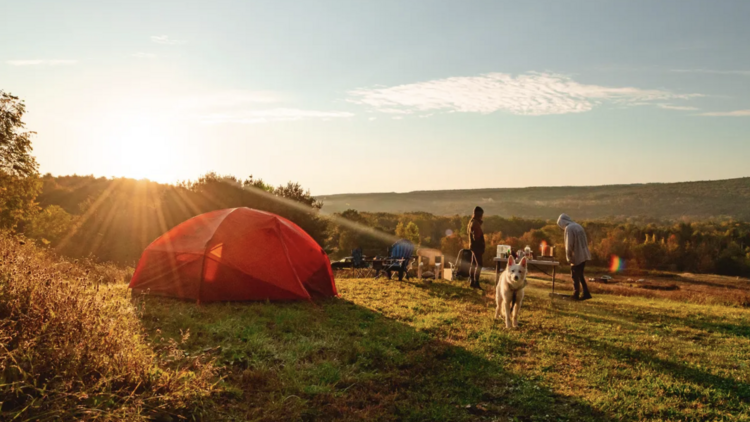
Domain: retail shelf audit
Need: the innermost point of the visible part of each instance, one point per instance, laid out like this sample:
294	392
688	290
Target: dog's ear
524	263
511	261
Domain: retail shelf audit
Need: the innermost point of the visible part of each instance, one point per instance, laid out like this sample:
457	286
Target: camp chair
399	259
357	258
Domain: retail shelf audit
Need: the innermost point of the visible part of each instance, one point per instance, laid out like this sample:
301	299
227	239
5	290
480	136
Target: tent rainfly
235	254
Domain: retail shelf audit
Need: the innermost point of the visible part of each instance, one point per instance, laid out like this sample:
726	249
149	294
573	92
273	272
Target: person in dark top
476	244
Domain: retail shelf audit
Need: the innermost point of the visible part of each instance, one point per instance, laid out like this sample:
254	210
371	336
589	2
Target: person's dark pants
476	267
579	280
401	268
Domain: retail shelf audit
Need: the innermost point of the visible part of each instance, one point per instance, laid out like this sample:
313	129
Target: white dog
509	292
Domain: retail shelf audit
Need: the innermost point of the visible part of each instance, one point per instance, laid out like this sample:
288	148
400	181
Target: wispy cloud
714	71
228	100
735	113
674	107
164	39
248	107
271	115
38	62
140	55
531	94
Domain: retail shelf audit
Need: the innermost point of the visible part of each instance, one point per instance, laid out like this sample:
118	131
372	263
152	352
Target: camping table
534	263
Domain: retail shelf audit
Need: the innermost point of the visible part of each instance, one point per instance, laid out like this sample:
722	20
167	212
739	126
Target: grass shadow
450	291
638	315
337	360
732	394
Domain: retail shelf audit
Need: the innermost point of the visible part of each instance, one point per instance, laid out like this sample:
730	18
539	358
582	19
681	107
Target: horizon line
533	187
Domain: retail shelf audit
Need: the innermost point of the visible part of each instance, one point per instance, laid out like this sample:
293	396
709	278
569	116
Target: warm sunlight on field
279	210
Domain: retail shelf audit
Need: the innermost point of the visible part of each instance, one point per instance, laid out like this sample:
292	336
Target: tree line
720	246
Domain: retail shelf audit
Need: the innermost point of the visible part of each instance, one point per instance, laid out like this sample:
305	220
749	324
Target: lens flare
616	264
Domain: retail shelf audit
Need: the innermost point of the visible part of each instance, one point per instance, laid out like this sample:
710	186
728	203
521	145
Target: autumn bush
72	346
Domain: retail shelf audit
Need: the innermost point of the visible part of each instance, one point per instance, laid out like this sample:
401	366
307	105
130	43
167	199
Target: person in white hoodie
577	253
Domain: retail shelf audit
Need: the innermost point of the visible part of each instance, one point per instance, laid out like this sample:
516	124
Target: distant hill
721	198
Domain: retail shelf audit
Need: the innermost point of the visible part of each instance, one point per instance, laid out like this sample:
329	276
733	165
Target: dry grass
72	346
353	273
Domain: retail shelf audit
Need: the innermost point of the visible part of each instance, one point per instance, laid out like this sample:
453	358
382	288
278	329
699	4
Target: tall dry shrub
72	347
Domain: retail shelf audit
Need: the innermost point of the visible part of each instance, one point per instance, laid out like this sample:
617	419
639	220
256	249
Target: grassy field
389	350
74	345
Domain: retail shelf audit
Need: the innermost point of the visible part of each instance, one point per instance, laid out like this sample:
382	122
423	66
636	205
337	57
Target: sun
144	149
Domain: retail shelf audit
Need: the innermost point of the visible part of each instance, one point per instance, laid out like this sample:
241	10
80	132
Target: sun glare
145	150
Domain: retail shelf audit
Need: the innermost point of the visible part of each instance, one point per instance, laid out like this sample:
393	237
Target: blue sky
355	96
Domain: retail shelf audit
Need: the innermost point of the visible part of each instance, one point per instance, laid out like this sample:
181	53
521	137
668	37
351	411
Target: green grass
389	350
75	346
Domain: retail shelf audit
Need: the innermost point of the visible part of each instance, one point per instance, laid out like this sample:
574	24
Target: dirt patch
654	286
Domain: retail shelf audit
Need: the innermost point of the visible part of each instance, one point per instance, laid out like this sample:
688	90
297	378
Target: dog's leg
506	311
517	310
497	303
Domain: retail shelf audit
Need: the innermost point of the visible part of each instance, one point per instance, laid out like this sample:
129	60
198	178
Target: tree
450	245
19	181
534	238
251	182
731	260
409	232
649	255
295	192
15	143
492	240
344	238
50	224
306	216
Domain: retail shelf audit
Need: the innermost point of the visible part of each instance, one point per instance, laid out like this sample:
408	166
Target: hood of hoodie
564	221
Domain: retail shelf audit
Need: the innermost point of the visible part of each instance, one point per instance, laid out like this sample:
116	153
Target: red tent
235	254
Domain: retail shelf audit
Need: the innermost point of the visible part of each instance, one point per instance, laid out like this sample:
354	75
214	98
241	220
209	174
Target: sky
380	96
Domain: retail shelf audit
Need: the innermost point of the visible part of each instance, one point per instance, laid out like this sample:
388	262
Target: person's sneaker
575	296
586	296
477	286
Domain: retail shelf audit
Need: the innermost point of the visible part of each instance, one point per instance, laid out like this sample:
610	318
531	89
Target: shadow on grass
733	395
445	290
336	360
694	321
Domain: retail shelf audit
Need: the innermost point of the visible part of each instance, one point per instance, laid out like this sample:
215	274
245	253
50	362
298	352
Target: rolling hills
698	200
